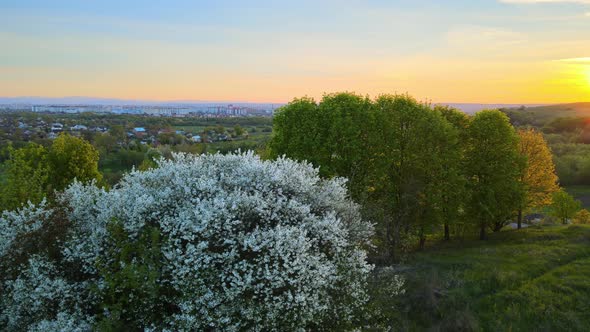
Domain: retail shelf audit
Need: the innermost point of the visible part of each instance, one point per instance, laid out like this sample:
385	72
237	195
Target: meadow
533	279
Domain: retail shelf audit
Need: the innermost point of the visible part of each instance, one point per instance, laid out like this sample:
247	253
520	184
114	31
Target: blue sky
460	51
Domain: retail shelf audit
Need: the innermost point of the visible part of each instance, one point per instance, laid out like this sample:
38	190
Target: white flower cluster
38	293
249	244
25	220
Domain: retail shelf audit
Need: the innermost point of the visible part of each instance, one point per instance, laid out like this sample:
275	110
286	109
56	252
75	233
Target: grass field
560	110
534	279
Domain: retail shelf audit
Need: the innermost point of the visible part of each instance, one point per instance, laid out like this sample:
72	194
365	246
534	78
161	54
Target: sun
587	75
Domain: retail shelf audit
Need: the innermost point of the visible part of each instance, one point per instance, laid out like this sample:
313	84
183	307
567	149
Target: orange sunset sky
495	51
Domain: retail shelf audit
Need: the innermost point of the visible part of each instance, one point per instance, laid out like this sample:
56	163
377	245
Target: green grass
535	279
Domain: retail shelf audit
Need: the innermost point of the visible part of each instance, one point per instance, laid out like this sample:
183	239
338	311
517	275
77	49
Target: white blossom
250	244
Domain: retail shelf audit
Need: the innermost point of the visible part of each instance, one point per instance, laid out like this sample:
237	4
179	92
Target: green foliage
72	158
332	135
454	178
34	172
565	124
494	167
238	130
564	206
105	143
572	163
296	131
26	176
132	295
402	158
171	138
415	174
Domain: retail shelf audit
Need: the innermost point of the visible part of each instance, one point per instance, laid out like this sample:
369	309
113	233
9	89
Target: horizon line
164	101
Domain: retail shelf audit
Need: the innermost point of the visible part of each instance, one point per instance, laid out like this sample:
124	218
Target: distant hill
471	108
560	110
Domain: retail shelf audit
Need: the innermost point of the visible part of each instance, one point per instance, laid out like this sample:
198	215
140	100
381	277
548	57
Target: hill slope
542	114
532	279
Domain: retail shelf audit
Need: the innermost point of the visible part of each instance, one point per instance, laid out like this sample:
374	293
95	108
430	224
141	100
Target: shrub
582	217
200	242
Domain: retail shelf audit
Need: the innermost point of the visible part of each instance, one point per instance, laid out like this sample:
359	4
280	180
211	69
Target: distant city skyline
112	105
262	51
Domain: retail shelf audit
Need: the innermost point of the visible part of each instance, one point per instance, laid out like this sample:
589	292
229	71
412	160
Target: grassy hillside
535	279
573	109
543	114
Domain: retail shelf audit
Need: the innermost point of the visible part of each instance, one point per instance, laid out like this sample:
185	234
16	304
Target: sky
472	51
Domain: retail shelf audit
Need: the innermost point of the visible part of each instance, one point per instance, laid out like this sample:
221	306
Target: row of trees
417	169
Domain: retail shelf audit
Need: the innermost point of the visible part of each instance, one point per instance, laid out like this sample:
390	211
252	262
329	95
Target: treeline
418	170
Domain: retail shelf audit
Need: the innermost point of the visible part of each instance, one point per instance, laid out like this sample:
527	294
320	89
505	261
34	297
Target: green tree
415	160
564	206
455	192
238	130
401	158
493	167
106	143
296	131
345	123
72	158
118	132
332	135
26	176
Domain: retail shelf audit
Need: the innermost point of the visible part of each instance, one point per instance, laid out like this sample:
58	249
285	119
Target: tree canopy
71	158
26	176
34	172
493	167
564	206
538	177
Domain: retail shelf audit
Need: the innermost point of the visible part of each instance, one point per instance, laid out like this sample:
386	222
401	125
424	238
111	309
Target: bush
201	242
582	217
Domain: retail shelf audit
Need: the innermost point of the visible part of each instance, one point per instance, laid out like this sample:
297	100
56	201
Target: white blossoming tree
222	242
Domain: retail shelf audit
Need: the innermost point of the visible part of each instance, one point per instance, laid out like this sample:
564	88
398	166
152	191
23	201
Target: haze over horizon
484	51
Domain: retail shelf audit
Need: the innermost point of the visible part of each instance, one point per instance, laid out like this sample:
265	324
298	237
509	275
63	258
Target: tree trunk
519	218
497	227
393	239
482	232
447	232
390	251
422	240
